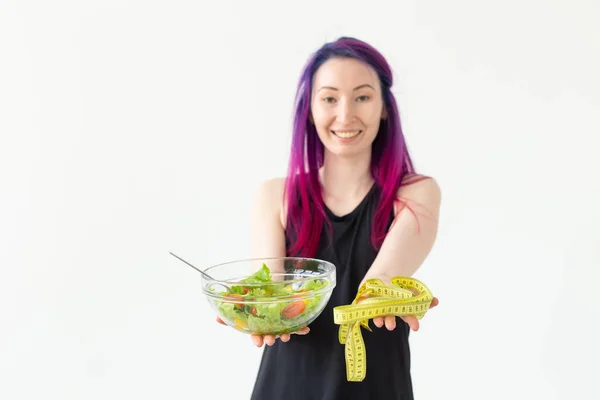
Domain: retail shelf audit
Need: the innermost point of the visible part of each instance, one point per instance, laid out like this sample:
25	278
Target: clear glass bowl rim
330	265
329	274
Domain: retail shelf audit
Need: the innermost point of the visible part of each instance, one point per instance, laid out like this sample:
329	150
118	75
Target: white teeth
346	135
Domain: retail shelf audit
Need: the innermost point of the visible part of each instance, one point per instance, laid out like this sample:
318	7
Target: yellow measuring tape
395	299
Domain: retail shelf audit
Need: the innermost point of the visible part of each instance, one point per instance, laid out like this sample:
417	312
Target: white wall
129	129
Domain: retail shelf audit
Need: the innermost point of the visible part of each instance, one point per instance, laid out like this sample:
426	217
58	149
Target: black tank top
312	366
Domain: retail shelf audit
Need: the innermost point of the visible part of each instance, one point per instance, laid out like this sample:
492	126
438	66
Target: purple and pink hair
390	160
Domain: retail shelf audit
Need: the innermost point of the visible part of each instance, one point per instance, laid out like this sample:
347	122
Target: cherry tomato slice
294	309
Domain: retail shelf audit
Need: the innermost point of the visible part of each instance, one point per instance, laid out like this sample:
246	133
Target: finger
258	340
378	321
302	331
285	337
269	340
219	320
390	322
434	302
412	321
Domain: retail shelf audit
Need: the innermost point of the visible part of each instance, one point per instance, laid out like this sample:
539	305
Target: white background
133	128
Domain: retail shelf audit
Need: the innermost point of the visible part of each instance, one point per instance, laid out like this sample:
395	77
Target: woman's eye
363	98
329	100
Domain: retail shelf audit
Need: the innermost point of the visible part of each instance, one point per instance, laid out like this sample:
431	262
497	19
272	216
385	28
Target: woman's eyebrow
356	88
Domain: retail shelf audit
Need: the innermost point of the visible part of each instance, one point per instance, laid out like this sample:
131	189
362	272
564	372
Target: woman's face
346	106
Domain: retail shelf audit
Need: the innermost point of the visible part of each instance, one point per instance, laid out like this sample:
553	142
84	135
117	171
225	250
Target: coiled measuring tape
395	299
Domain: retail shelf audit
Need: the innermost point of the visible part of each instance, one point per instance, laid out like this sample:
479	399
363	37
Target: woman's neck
346	177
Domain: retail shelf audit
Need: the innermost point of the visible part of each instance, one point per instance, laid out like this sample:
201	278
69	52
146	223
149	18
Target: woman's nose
345	113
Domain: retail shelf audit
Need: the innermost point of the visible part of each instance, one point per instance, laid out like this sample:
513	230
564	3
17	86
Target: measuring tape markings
395	299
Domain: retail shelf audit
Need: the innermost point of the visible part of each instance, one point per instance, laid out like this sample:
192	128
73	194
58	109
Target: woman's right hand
269	340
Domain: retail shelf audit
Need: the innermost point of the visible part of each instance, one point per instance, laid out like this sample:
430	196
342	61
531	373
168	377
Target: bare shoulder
271	190
422	191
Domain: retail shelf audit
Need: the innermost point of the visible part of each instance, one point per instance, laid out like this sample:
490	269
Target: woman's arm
266	229
412	234
268	238
409	240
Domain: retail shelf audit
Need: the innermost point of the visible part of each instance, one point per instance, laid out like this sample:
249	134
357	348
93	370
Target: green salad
272	315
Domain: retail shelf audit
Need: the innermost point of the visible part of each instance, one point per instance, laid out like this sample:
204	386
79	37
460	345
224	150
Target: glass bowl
269	296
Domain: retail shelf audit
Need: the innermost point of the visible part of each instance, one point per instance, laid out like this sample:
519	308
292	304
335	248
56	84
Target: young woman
351	197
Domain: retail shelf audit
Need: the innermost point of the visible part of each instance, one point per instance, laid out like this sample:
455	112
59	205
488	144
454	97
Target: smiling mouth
346	134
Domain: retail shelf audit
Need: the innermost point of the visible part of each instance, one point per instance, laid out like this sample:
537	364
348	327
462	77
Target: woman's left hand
390	320
411	320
